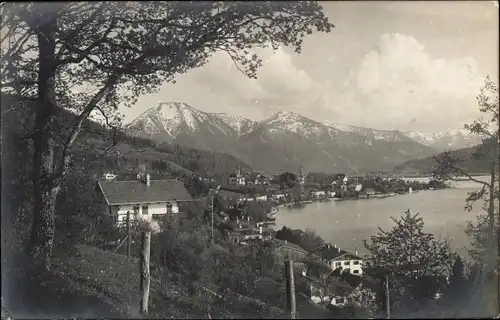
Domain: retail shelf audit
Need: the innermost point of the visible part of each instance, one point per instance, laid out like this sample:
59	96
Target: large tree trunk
45	188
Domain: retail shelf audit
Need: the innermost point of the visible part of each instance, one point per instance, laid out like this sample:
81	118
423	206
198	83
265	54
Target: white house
278	196
145	199
318	194
343	287
261	198
257	179
237	179
340	178
370	191
336	258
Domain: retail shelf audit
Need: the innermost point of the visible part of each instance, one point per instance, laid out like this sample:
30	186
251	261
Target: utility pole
290	289
129	240
144	270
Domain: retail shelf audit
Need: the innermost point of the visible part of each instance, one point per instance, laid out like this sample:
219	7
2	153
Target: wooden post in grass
145	276
387	297
290	289
129	236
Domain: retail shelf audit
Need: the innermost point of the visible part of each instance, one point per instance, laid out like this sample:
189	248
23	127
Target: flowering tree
420	259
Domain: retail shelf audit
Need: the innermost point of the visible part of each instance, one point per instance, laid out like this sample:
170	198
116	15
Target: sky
409	66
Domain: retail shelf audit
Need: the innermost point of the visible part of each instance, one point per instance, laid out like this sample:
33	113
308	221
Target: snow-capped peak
170	119
239	124
453	139
168	116
293	122
175	118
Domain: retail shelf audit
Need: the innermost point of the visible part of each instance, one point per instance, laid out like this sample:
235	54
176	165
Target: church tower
301	178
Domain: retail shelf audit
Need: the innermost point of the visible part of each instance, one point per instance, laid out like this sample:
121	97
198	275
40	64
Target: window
145	209
156	217
169	208
346	263
356	271
339	300
136	209
338	264
356	262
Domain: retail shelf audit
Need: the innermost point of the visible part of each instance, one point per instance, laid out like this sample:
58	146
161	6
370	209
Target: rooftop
282	243
329	252
346	282
137	192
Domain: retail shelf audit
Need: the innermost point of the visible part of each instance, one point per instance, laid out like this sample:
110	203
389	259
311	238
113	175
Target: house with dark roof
237	178
336	258
285	250
335	288
145	199
340	178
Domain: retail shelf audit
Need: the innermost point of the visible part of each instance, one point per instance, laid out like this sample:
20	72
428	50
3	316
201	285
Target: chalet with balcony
339	259
145	199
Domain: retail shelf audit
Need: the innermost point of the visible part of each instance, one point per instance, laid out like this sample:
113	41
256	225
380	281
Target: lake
347	223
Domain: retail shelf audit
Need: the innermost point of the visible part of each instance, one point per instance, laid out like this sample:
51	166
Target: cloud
280	85
396	84
400	79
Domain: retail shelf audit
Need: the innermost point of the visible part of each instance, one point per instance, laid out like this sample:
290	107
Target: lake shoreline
347	223
371	197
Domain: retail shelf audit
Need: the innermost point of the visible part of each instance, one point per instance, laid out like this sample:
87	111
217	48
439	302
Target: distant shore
374	196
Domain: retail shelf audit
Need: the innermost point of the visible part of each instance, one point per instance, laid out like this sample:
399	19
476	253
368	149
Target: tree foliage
420	260
308	240
484	232
90	57
287	180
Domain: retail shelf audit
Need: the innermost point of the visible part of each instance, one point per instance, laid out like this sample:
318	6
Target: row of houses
248	179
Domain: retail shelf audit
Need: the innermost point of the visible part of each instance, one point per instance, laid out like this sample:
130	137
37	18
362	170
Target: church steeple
301	179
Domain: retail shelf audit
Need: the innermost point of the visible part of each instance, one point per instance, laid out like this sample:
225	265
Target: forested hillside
100	149
474	160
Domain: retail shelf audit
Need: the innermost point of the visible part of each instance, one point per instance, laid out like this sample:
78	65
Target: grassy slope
114	279
87	282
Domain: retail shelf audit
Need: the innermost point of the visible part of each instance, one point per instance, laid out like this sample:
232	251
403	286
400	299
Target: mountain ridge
282	141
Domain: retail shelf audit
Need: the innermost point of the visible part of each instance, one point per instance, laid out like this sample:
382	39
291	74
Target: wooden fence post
387	297
290	289
129	237
145	276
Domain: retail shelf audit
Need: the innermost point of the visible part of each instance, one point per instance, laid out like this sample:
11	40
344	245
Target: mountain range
286	140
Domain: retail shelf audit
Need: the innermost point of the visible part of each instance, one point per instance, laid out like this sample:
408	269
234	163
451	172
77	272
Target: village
244	211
